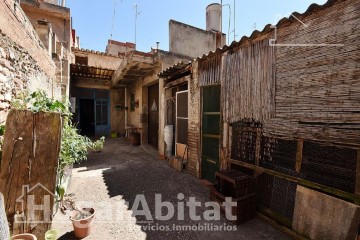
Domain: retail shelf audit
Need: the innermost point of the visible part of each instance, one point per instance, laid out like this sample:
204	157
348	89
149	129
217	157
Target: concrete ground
119	173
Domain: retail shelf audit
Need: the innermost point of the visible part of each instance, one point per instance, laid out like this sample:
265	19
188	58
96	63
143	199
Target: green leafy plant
74	147
40	102
98	145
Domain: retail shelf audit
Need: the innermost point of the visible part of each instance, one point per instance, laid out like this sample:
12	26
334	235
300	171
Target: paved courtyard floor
117	175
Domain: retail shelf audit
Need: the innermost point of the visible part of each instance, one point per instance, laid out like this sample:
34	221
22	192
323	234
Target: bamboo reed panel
210	71
318	88
248	86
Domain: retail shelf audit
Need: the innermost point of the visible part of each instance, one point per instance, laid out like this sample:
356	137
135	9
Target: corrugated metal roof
177	67
313	8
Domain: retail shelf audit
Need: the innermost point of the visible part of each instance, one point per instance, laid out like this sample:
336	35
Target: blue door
94	114
102	113
102	127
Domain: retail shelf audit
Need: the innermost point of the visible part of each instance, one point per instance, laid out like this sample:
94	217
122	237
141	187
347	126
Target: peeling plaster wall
117	117
101	61
194	144
191	41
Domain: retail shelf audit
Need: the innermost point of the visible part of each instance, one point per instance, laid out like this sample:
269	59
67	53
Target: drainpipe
126	106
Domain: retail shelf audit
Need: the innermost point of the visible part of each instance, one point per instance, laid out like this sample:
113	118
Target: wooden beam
344	195
299	155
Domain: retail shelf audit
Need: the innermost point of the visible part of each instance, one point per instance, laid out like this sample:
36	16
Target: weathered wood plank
28	170
299	155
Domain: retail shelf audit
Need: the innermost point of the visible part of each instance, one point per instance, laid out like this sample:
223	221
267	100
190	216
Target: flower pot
24	236
135	139
82	227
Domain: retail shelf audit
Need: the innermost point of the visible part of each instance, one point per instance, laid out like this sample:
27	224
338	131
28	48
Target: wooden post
299	155
357	187
28	170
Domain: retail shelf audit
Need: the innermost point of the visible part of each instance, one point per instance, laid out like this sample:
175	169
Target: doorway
87	119
210	134
94	112
153	113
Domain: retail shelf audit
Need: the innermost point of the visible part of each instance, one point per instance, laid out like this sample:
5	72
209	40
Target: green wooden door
210	132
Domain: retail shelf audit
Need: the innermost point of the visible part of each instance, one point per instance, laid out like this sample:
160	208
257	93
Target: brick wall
194	137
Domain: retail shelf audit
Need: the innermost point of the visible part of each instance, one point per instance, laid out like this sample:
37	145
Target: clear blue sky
93	18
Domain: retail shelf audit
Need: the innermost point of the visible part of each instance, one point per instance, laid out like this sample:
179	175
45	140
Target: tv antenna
137	13
113	21
228	36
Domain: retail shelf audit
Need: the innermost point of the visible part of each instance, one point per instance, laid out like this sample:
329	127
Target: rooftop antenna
137	13
229	21
234	21
113	21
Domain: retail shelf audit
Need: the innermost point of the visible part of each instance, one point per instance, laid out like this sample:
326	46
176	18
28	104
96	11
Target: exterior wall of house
116	48
141	95
191	41
58	16
140	88
100	60
24	61
53	25
117	116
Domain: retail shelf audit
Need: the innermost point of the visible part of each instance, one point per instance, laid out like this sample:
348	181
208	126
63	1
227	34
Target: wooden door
153	103
210	154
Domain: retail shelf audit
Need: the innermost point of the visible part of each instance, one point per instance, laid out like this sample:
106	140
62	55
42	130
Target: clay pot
82	227
24	236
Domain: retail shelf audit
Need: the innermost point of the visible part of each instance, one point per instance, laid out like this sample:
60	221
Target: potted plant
82	220
113	134
98	145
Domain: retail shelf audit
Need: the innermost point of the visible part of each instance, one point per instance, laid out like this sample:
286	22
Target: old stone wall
19	72
16	25
24	61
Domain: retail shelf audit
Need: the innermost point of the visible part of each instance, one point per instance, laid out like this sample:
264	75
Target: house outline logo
26	190
272	41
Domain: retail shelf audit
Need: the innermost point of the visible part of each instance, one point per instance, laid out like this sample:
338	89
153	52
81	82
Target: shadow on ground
122	172
143	174
68	236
